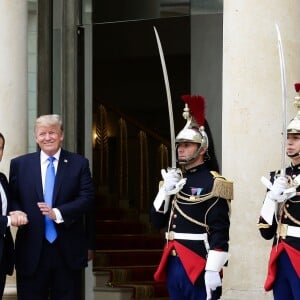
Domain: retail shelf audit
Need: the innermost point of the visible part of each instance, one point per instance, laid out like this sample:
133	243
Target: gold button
174	226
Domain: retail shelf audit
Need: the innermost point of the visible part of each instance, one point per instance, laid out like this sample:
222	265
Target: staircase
127	255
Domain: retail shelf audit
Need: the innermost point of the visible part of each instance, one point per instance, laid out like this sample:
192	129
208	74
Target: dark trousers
179	285
2	274
2	281
287	283
53	279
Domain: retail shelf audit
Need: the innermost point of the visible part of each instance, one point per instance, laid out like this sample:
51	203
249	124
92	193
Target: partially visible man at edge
15	219
50	268
280	218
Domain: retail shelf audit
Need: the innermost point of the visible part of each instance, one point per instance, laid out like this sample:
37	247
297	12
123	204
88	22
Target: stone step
127	257
112	293
123	274
114	213
144	289
129	241
102	278
138	289
126	292
120	226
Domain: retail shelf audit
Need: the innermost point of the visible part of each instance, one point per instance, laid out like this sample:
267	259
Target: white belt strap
285	230
171	235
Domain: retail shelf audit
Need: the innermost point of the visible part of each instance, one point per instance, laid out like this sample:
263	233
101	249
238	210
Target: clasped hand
18	218
279	191
173	180
46	210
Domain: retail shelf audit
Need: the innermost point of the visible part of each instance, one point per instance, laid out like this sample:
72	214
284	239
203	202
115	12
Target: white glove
277	191
173	181
212	281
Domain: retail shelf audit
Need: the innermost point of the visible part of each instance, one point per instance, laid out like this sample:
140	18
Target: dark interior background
128	74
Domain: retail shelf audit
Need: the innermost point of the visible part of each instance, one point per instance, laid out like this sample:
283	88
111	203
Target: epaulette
222	187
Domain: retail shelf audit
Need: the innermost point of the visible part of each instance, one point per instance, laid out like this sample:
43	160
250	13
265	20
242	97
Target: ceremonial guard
193	204
280	218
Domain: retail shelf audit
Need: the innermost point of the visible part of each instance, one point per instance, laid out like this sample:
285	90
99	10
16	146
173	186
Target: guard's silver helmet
294	125
194	130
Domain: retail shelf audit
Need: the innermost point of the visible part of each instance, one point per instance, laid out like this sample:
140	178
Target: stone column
252	124
13	87
13	78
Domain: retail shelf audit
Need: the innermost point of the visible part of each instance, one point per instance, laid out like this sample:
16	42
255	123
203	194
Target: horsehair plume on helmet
196	105
294	125
194	130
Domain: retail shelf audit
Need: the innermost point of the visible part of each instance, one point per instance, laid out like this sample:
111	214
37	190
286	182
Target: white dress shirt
4	205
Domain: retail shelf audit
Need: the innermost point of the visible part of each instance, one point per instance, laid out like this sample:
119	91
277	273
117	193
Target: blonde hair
49	120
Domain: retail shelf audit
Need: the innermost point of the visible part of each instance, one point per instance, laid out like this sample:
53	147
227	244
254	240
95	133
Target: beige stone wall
13	78
13	89
252	114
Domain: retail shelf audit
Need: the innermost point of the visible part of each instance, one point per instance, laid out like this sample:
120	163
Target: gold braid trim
263	226
209	210
290	216
189	218
222	188
196	199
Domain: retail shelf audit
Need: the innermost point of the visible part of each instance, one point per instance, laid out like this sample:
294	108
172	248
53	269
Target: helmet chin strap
293	155
184	162
191	159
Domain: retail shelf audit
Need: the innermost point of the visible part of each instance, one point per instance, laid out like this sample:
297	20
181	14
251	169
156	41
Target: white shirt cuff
8	221
268	209
58	216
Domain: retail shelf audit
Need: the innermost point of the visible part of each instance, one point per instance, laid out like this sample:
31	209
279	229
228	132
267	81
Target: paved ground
228	294
246	295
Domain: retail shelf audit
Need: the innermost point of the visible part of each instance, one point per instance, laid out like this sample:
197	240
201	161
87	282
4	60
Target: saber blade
170	109
283	89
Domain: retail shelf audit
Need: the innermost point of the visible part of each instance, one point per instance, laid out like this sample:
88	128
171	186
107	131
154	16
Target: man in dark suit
6	240
51	267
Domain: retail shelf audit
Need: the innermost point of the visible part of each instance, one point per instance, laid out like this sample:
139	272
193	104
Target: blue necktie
50	231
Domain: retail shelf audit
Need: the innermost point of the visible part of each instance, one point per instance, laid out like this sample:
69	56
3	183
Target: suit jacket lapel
35	164
60	173
4	185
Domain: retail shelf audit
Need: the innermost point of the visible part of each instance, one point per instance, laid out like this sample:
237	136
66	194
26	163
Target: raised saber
283	89
170	108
